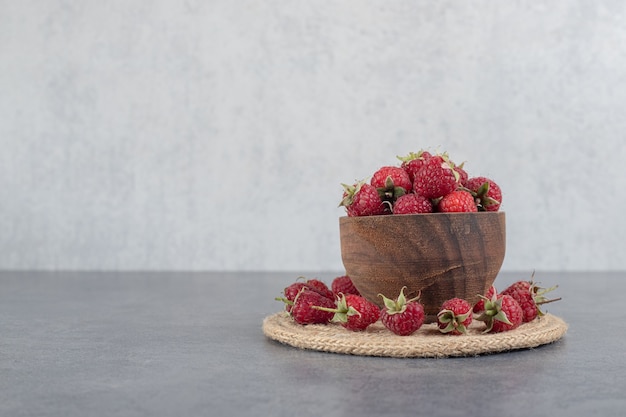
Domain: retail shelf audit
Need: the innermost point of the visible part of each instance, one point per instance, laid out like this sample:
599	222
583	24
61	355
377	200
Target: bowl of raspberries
425	225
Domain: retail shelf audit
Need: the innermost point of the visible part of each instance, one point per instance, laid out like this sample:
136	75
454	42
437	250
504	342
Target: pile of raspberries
311	301
421	183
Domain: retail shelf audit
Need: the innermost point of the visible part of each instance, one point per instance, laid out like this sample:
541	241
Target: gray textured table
164	344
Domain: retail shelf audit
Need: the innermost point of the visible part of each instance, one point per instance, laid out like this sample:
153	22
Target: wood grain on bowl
441	255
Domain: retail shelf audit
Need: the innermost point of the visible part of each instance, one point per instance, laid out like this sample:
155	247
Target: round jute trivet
427	342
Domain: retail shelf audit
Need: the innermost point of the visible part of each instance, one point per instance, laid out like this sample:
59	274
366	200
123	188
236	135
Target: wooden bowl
443	255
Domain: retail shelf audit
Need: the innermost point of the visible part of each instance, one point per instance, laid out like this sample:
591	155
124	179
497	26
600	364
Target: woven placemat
427	342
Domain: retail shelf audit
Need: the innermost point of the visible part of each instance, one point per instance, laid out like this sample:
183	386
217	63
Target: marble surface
182	343
214	135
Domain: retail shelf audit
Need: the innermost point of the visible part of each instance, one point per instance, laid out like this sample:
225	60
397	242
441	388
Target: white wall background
215	134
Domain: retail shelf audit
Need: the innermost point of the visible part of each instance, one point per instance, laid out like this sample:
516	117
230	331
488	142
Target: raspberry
305	308
521	293
462	174
354	312
502	313
343	285
401	316
291	291
486	192
389	177
479	307
529	296
412	204
436	178
320	287
455	316
457	201
362	199
413	162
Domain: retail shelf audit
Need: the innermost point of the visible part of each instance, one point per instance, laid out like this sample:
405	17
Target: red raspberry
502	313
343	285
391	183
355	312
403	317
436	178
479	307
320	287
455	316
412	204
462	174
305	308
389	177
413	162
290	293
362	199
529	296
457	201
486	192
